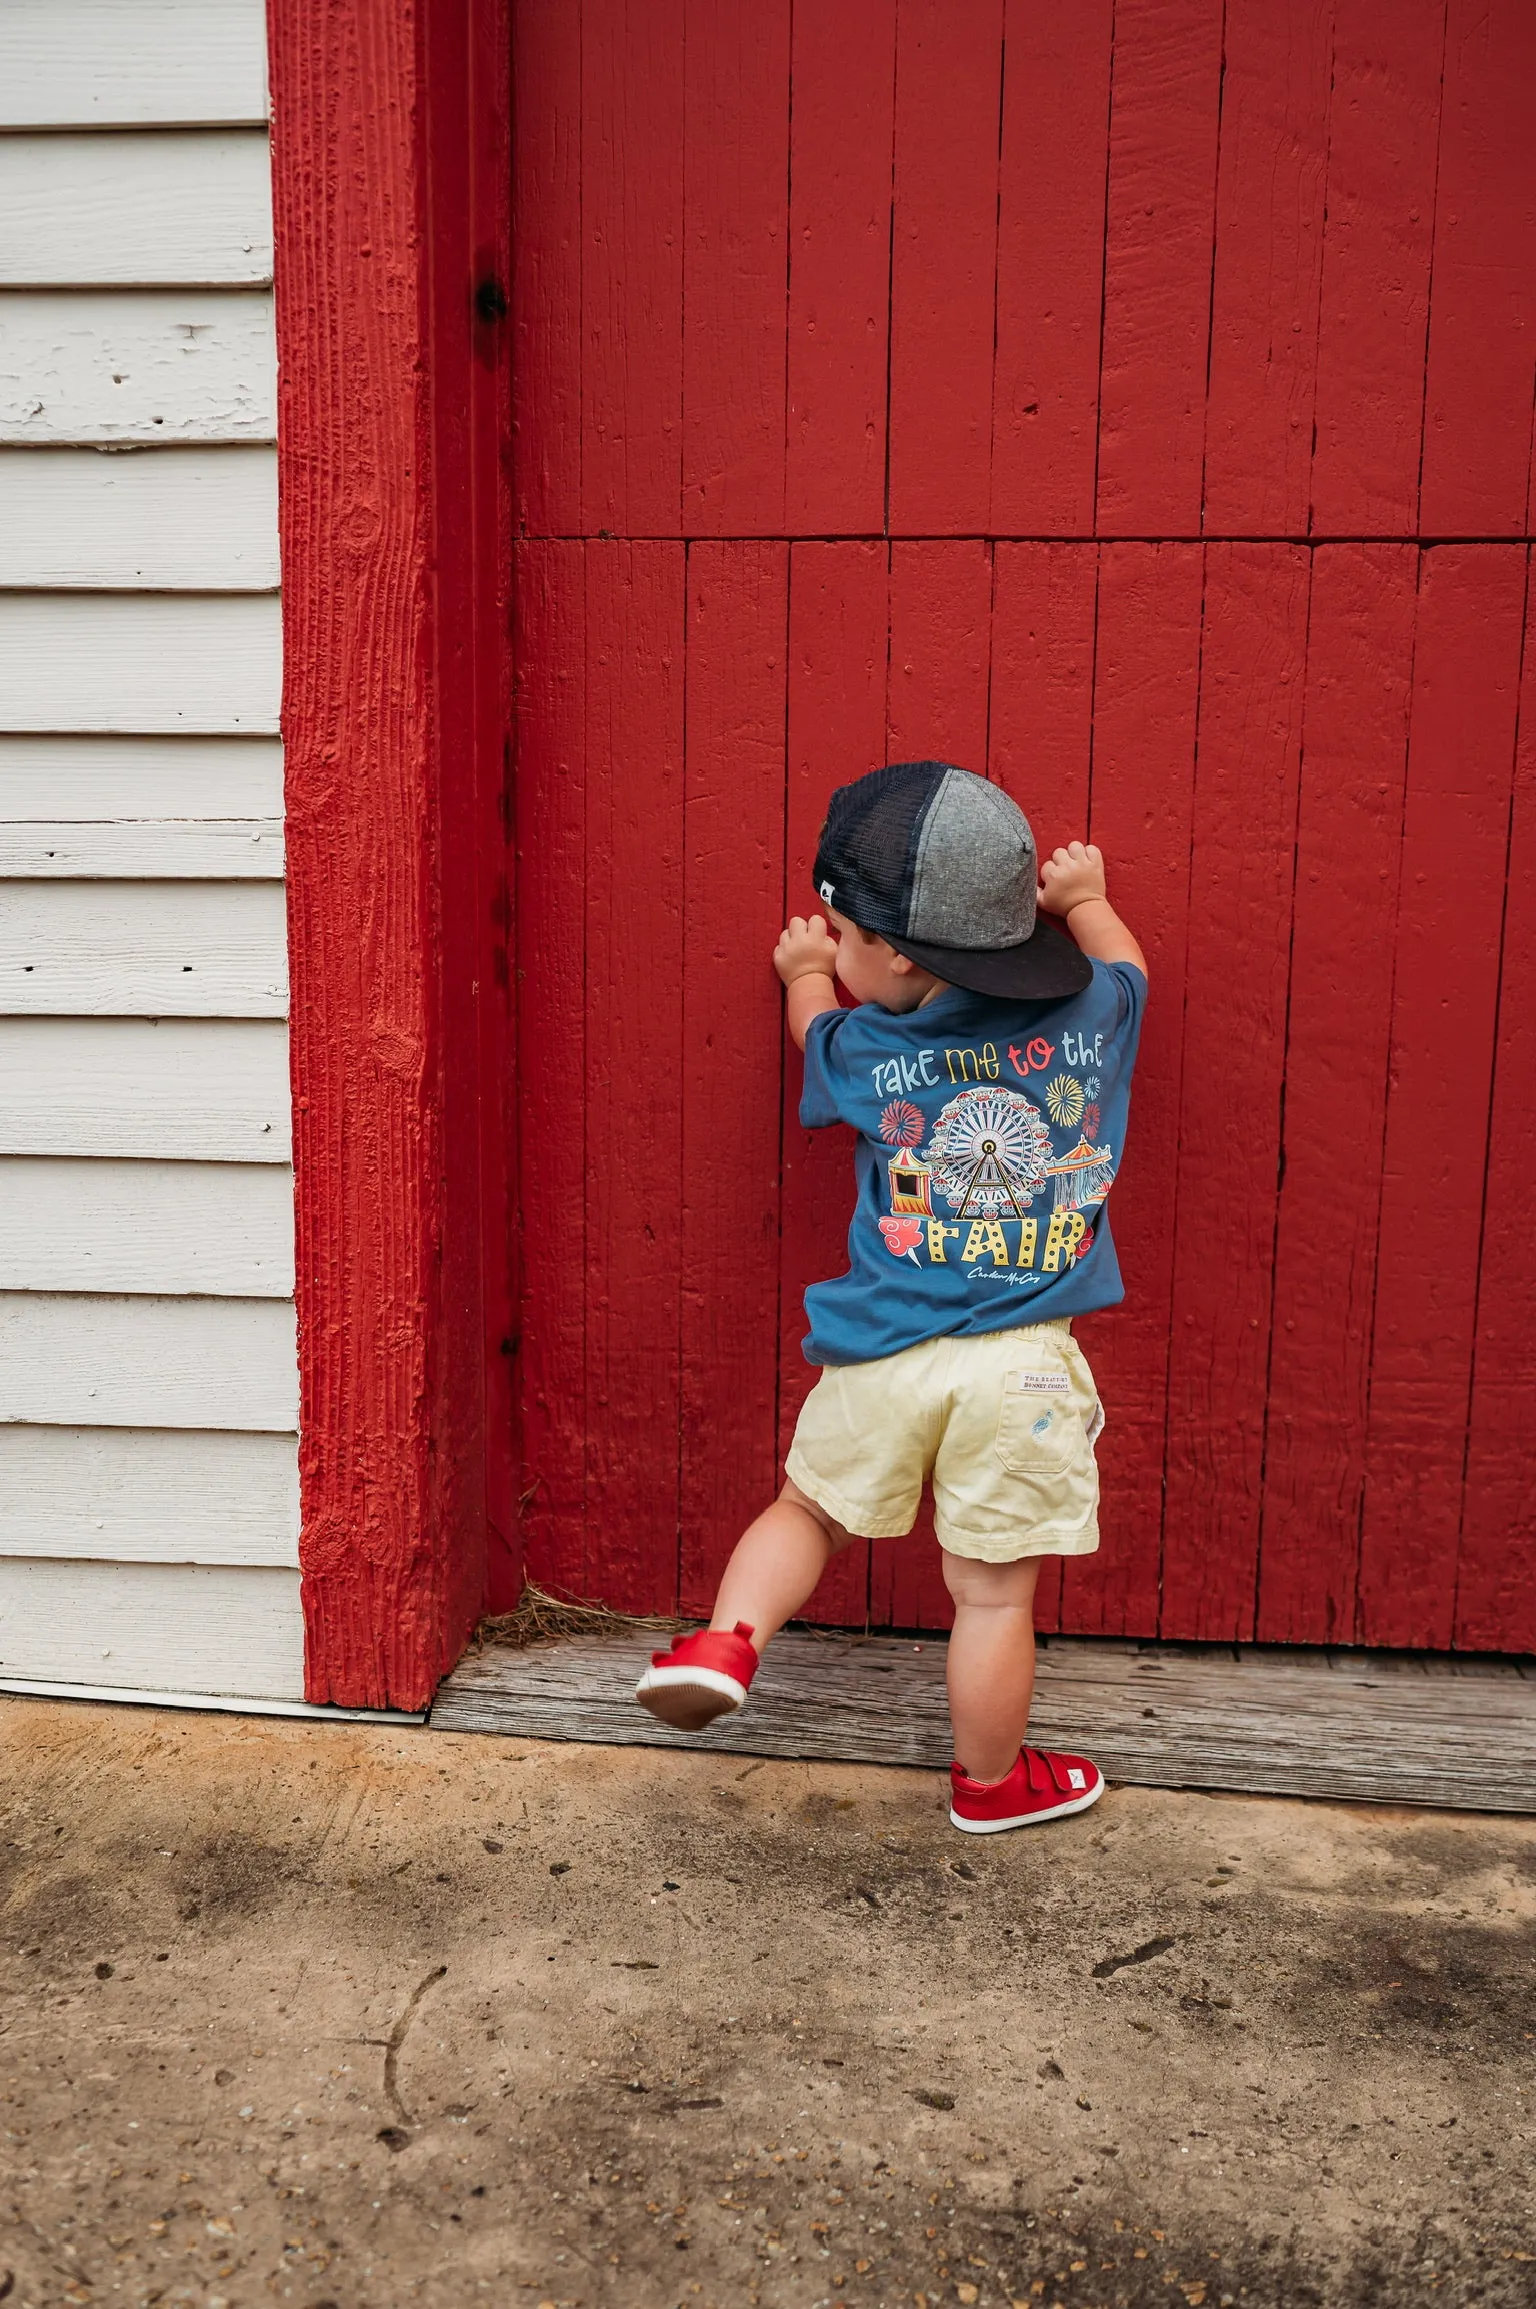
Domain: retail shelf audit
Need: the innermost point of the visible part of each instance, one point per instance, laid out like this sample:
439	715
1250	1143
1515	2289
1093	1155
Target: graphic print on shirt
990	1153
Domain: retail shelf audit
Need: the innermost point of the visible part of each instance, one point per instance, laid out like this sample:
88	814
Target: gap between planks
1386	1728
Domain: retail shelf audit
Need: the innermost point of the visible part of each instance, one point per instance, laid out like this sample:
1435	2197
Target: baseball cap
943	865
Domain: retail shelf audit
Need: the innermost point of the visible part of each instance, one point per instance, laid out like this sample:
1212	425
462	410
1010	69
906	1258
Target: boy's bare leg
776	1565
991	1660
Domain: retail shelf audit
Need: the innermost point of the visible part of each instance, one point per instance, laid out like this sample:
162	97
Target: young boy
987	1071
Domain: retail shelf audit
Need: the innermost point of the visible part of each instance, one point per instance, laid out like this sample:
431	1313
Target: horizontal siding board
186	207
131	63
153	1627
208	1229
149	1495
188	1090
164	520
74	1360
209	664
89	778
235	850
143	950
137	365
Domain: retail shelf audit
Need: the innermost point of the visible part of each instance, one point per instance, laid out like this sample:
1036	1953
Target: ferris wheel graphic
990	1152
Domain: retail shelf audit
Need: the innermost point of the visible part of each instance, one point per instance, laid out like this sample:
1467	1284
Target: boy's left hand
805	950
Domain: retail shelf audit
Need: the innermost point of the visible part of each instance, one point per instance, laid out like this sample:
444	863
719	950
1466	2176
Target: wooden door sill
1375	1727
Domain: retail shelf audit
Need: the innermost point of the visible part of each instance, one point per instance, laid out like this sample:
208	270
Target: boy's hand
805	950
1069	876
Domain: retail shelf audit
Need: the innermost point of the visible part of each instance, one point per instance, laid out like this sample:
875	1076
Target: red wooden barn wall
1132	400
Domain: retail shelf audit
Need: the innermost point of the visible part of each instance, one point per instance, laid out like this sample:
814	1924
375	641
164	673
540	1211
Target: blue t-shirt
990	1133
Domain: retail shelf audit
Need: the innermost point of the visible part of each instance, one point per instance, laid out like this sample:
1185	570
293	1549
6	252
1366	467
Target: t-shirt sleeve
1126	987
825	1074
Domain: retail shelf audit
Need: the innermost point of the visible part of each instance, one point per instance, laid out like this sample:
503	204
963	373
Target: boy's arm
1072	885
806	959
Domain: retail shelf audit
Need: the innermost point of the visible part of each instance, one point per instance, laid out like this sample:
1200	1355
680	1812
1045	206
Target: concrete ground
341	2015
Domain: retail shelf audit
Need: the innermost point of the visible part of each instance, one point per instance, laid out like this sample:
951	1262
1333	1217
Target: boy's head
942	866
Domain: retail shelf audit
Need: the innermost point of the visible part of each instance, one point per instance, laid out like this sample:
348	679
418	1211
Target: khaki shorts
1001	1423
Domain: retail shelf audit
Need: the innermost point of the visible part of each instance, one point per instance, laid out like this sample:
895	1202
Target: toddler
986	1070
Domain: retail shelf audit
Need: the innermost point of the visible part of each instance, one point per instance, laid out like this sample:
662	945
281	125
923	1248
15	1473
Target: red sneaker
1041	1786
704	1675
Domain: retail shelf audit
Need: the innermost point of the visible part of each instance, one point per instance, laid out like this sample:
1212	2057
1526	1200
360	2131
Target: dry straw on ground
545	1616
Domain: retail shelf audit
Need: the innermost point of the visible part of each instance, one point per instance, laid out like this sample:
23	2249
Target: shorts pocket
1039	1427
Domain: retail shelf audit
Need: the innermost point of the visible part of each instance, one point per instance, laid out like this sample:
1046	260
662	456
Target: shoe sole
1026	1819
687	1699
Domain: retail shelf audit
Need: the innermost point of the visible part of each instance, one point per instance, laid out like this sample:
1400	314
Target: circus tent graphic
911	1184
990	1153
1083	1177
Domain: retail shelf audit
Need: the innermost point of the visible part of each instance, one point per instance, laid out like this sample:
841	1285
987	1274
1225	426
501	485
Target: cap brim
1045	967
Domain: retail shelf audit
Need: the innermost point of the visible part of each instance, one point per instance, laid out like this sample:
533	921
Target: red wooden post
390	187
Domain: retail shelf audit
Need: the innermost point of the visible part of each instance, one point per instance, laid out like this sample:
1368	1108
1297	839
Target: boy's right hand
805	950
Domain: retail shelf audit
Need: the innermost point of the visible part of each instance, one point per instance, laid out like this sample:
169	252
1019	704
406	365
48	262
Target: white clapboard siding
189	1090
188	206
143	950
77	1361
149	1495
205	663
246	849
167	520
149	365
201	809
153	1626
215	1229
131	63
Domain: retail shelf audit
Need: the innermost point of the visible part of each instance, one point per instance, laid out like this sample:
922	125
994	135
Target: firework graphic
1092	1086
1064	1099
990	1152
901	1124
1091	1121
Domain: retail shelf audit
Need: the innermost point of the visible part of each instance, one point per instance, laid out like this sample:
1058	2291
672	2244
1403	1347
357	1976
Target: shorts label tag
1043	1383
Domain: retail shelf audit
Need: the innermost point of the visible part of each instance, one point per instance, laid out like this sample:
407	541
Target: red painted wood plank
1482	319
1145	698
632	266
944	265
735	265
1044	613
838	628
546	272
842	114
1466	677
1157	266
551	657
941	616
1252	668
1359	668
633	1083
1383	126
1050	267
375	434
1496	1576
1268	269
1044	618
733	1043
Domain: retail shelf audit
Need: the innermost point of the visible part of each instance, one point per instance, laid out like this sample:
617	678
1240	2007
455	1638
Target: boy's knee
836	1532
978	1586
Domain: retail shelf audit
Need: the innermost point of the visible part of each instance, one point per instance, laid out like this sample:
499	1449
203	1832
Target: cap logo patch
825	893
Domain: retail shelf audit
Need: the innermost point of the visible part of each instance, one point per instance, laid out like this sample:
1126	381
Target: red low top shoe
703	1676
1041	1786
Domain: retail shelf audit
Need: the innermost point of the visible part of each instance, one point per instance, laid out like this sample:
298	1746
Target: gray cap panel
974	872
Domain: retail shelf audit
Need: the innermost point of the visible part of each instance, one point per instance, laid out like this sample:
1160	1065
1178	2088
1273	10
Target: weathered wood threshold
1386	1728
